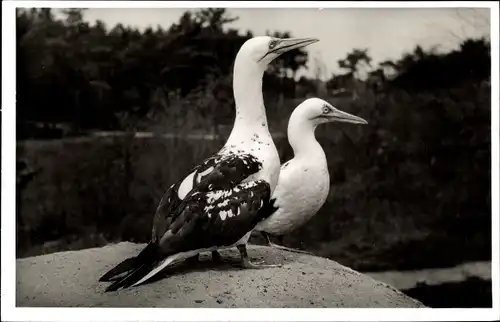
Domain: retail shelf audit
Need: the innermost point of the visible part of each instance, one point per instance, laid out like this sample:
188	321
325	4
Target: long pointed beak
287	44
340	116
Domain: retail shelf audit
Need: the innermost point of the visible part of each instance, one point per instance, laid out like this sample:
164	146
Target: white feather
223	214
186	186
202	174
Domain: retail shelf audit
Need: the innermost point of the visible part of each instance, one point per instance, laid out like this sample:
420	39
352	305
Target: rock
70	279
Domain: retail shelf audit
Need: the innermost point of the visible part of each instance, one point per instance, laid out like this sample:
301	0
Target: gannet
304	181
221	200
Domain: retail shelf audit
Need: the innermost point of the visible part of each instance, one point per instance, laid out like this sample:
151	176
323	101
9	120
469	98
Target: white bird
304	181
220	201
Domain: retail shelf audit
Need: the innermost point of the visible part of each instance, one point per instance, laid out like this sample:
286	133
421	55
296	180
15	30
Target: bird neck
302	139
247	89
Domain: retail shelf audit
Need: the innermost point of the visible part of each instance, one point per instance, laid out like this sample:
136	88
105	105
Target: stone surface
70	279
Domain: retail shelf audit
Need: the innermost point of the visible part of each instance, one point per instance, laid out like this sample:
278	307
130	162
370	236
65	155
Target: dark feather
121	268
142	264
194	223
227	170
270	208
200	224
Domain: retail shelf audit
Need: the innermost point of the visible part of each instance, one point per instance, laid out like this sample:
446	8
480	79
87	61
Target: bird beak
339	116
287	44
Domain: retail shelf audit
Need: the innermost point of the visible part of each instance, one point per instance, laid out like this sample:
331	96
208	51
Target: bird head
264	49
319	111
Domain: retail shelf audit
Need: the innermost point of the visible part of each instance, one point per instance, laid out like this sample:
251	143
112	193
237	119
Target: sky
386	32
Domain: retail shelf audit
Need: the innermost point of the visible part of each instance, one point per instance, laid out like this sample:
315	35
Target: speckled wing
217	218
171	200
221	209
216	172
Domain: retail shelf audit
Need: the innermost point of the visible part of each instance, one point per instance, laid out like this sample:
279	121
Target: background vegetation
409	190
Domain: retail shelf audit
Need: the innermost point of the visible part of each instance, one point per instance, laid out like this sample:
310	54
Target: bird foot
290	249
216	257
246	263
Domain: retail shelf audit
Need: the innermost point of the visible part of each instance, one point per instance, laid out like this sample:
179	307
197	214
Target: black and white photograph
250	155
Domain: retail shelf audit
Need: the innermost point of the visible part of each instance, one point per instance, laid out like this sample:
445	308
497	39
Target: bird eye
272	43
326	109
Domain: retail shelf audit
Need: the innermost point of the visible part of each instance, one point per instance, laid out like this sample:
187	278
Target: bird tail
134	268
119	269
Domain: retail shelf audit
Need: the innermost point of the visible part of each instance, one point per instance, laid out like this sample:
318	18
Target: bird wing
171	199
244	164
165	211
219	211
217	218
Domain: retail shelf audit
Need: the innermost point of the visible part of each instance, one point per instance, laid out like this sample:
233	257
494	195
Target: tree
214	19
421	69
353	61
350	80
